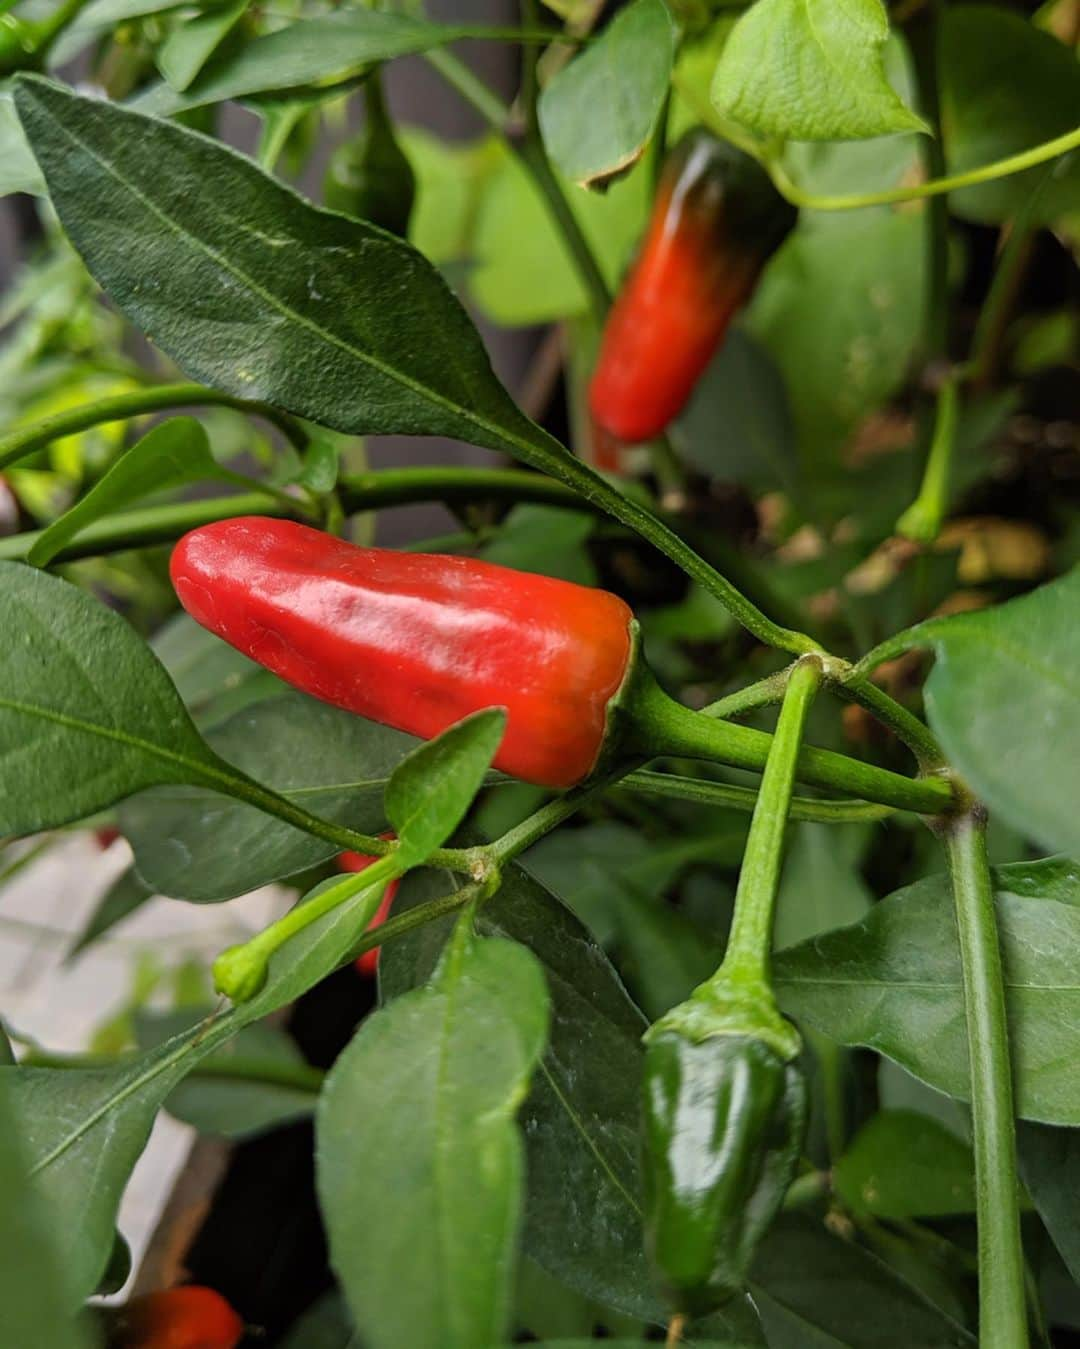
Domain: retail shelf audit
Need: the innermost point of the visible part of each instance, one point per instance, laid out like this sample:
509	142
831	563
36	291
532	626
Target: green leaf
86	1127
256	1081
810	70
738	426
582	1214
600	111
839	310
126	894
1006	87
173	454
33	1309
326	1325
200	664
431	790
416	1122
1050	1168
905	1165
192	43
323	51
202	846
87	714
893	983
18	168
820	886
1004	700
327	316
815	1291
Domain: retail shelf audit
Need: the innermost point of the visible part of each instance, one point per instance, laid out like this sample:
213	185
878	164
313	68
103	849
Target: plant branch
922	520
676	788
1002	1315
25	440
674	730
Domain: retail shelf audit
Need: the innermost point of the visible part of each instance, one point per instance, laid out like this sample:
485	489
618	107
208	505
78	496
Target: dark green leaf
126	894
815	1291
416	1122
810	70
905	1165
327	316
1050	1168
599	112
205	847
192	43
1006	87
87	715
326	1325
820	886
430	790
738	425
893	983
1004	700
86	1127
33	1308
171	455
322	51
582	1220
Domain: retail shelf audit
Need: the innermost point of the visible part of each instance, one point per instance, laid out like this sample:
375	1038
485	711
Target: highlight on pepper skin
716	221
416	641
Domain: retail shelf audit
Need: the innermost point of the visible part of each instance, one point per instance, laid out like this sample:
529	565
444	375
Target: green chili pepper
369	176
724	1122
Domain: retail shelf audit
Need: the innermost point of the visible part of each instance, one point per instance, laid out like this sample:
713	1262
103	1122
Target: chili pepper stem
747	958
240	972
1002	1315
663	727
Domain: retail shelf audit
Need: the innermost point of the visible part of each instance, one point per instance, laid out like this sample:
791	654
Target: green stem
762	694
530	151
673	787
909	730
1002	1316
1000	168
400	924
25	440
367	491
922	520
240	972
923	36
1008	274
669	729
746	960
550	816
232	782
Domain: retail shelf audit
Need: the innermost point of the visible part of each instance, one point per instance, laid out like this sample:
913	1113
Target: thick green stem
1002	1316
666	728
746	960
25	440
675	788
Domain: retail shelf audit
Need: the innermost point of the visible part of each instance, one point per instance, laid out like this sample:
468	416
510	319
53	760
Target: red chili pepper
106	837
191	1317
716	221
414	640
368	963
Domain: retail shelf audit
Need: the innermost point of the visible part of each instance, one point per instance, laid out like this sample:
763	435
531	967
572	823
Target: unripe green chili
724	1107
369	176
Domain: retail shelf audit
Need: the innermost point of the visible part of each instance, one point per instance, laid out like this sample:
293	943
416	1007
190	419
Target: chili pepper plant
687	803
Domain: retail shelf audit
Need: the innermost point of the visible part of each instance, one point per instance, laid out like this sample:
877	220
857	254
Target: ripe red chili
190	1317
715	222
414	640
368	963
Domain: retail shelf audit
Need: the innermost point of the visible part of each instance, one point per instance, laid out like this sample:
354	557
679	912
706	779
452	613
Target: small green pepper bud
724	1123
369	176
240	972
